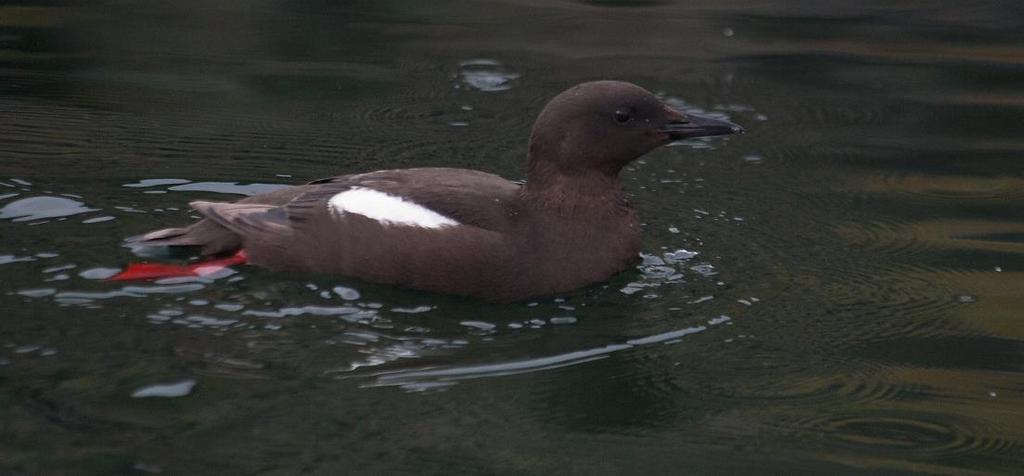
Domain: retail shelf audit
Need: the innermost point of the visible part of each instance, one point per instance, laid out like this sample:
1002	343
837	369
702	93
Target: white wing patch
387	209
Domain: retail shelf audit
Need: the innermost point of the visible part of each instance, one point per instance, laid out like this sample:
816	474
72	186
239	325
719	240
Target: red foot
137	271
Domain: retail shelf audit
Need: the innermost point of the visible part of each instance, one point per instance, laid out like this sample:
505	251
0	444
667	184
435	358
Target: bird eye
623	115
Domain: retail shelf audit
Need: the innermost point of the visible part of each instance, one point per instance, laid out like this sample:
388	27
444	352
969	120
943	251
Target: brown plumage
568	226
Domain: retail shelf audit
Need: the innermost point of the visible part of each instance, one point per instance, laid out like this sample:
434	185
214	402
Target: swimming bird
459	231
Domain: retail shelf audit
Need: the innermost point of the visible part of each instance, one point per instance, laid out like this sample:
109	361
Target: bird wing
469	197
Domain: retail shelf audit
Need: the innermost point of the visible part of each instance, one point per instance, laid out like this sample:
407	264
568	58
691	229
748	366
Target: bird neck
573	192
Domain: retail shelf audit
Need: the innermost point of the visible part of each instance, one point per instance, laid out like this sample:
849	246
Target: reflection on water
39	208
485	75
431	378
837	291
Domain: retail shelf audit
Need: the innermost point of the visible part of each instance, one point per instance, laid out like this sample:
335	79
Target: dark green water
849	301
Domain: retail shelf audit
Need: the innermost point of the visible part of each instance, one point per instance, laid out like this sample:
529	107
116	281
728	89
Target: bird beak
681	126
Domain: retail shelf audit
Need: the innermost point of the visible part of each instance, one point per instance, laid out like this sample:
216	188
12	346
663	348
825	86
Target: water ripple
485	75
41	208
439	377
908	433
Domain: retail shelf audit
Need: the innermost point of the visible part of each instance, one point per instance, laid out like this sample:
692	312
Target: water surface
838	291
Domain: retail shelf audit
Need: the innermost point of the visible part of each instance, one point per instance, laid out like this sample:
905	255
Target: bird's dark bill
699	126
